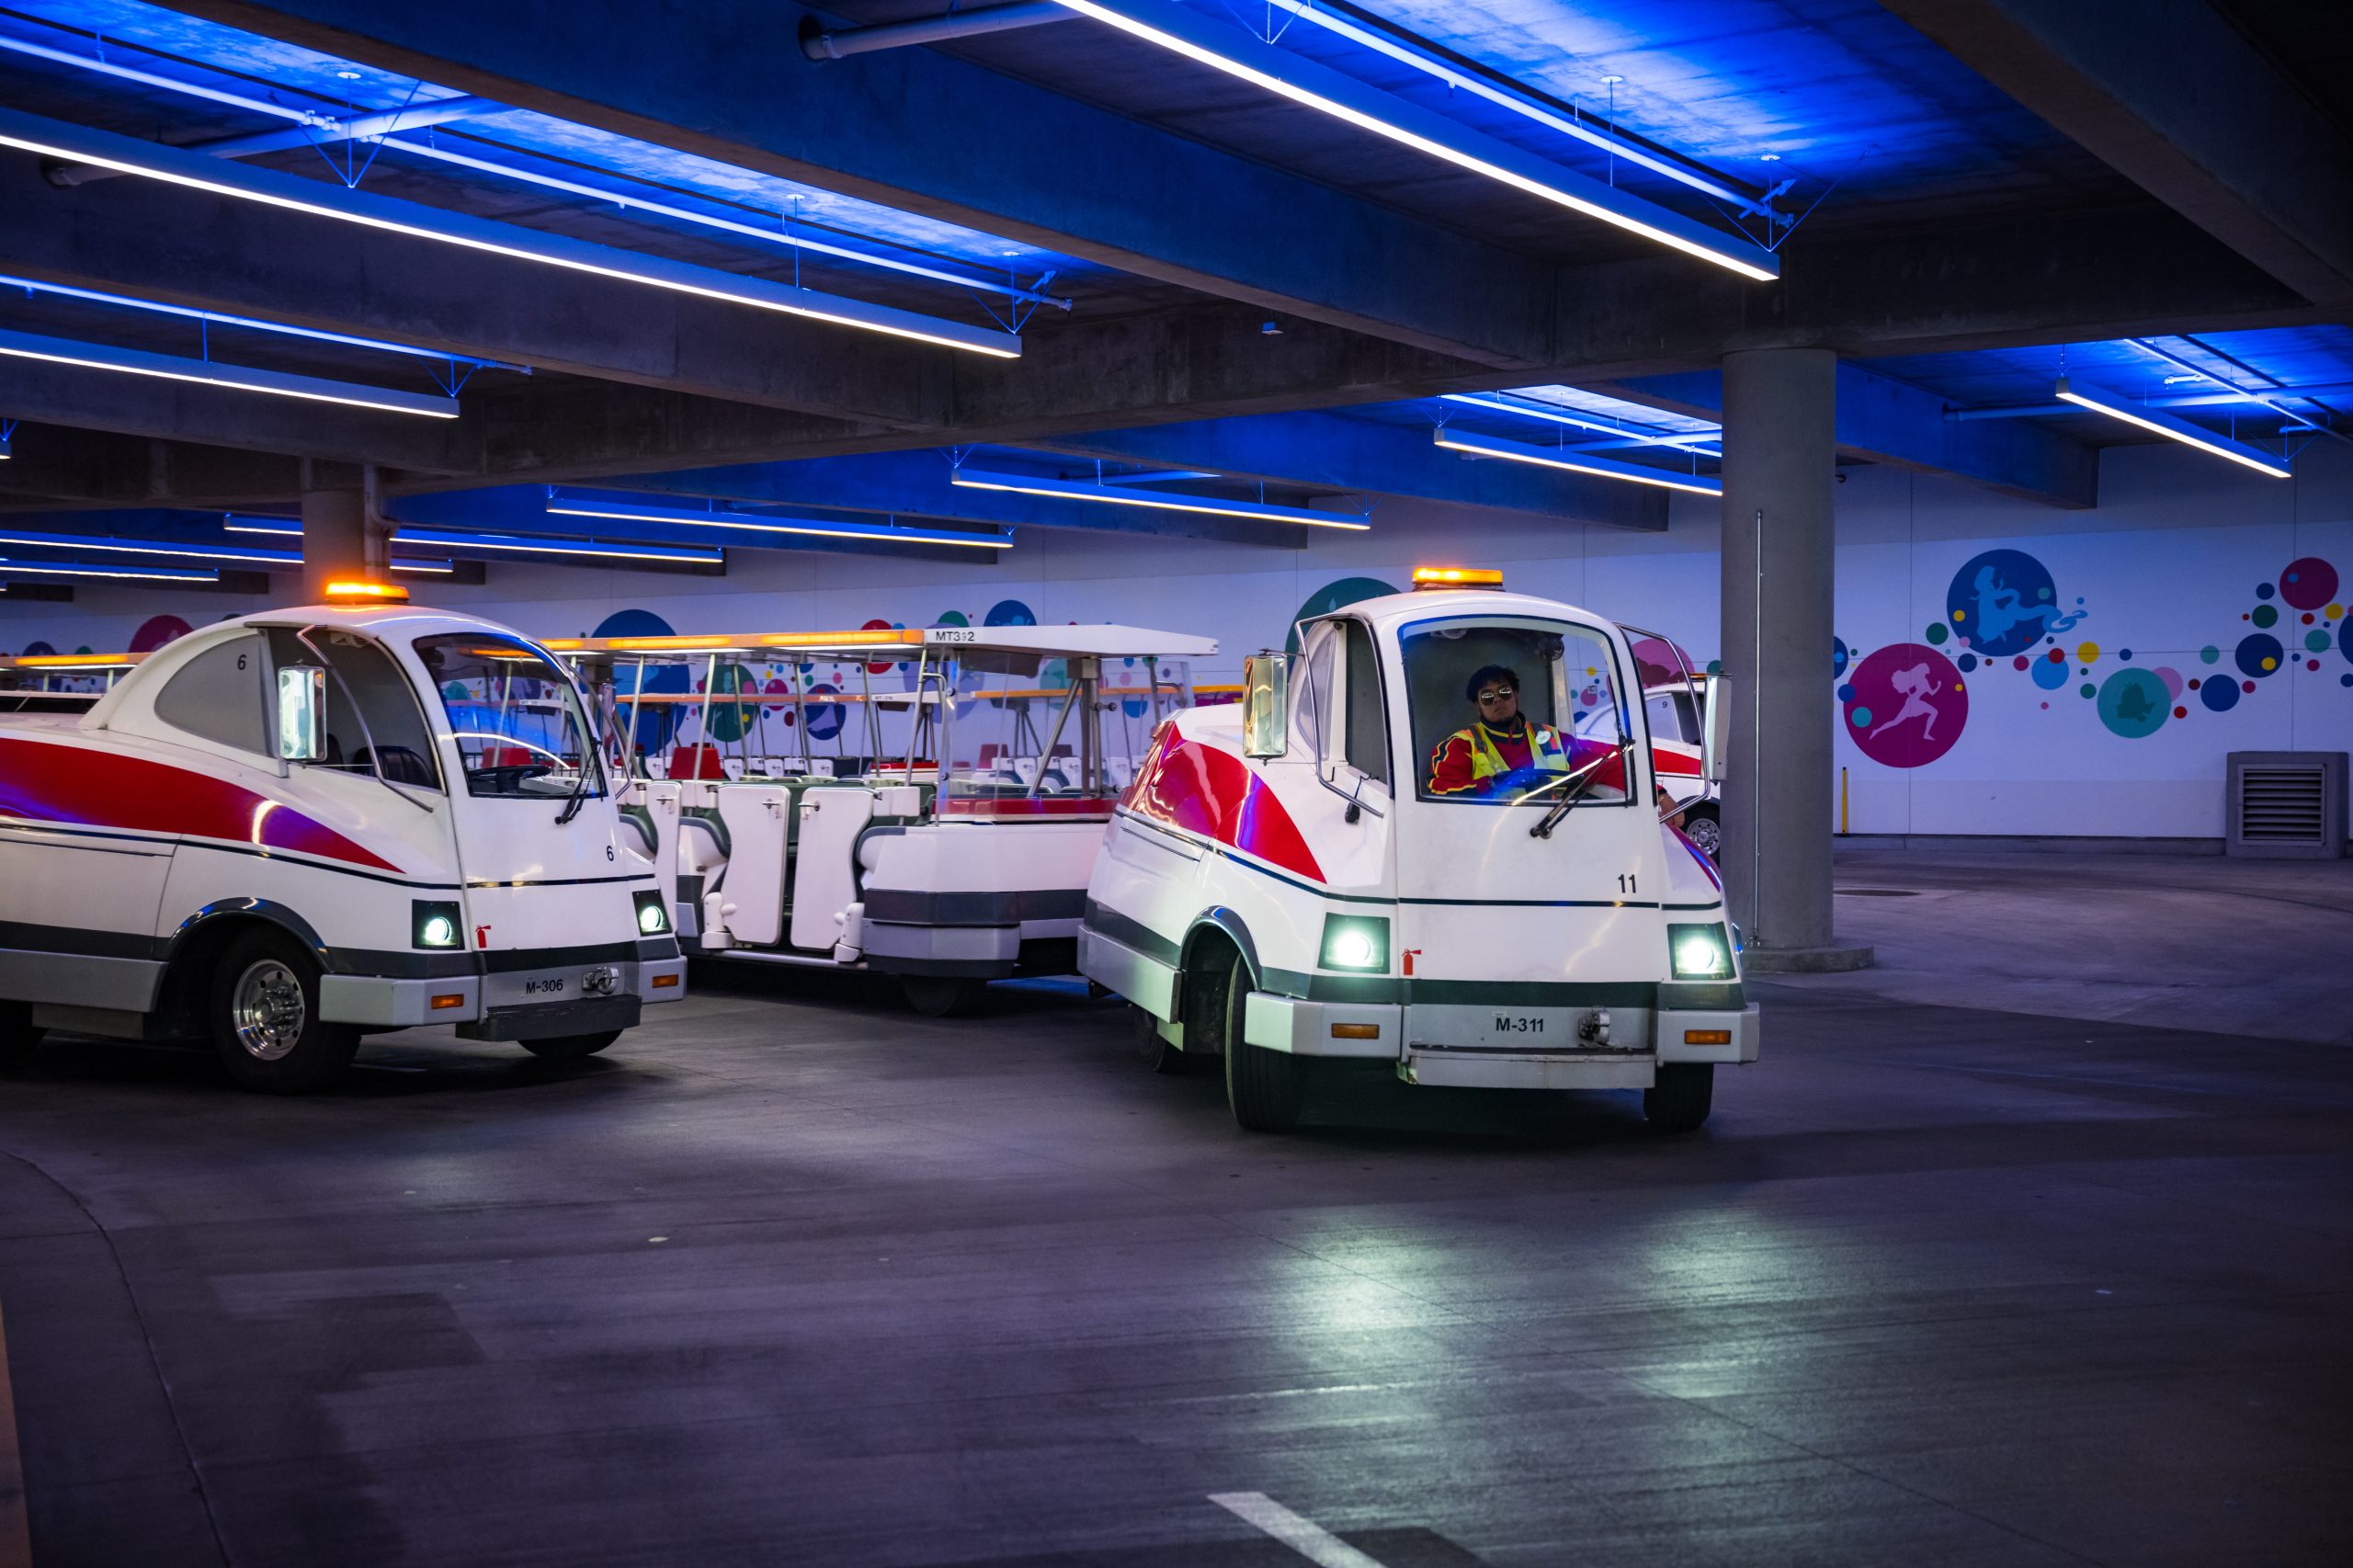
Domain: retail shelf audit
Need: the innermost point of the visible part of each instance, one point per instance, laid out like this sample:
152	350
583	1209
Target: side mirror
302	713
1266	704
1715	730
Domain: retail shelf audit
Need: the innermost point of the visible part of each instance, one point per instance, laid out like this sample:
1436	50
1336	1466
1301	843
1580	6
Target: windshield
514	716
1514	710
1018	746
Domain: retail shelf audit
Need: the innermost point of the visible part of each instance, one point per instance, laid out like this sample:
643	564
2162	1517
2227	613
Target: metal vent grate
2284	806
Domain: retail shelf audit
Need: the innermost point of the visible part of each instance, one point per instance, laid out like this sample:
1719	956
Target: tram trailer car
1307	875
299	827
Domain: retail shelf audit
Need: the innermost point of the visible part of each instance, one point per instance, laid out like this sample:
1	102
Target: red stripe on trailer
1027	806
41	781
1674	762
1213	793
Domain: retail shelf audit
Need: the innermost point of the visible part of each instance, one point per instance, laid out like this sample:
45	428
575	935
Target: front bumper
519	1002
1641	1038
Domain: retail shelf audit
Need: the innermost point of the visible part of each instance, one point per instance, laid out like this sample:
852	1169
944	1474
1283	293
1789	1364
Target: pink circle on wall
156	631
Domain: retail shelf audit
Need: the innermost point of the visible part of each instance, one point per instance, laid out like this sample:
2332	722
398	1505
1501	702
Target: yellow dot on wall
2336	612
2088	653
1959	616
2270	663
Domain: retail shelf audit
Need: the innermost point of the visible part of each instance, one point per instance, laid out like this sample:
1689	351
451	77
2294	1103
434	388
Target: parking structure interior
1166	782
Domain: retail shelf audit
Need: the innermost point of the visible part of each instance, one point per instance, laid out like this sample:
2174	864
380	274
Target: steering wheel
507	778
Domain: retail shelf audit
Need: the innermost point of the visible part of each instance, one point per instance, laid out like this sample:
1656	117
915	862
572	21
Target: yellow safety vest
1545	752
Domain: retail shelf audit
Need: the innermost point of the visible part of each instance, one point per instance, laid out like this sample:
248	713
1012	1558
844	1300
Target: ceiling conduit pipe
819	44
360	128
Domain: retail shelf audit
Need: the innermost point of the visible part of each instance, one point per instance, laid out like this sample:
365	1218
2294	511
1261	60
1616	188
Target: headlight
1357	941
1699	952
433	923
653	918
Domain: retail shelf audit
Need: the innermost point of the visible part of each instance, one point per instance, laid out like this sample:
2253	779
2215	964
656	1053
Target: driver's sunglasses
1497	693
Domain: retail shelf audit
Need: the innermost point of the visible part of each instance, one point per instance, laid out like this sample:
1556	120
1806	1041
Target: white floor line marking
1303	1536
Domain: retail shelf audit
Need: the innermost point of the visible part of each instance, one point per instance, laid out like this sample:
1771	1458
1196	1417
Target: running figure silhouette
1915	685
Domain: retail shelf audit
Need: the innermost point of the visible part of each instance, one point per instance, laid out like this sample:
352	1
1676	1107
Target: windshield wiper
578	798
1581	782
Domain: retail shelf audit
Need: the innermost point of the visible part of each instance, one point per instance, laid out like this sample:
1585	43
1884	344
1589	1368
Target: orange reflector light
73	661
663	982
1457	577
1707	1037
1356	1031
451	999
359	591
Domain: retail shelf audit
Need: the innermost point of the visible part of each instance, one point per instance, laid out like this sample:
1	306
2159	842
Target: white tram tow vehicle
1340	867
302	826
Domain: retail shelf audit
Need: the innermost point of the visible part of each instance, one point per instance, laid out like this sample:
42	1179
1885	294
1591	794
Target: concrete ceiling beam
917	484
981	150
1882	420
1330	451
2172	95
189	248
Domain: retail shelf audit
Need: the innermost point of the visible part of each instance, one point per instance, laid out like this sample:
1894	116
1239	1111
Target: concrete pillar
344	535
1779	461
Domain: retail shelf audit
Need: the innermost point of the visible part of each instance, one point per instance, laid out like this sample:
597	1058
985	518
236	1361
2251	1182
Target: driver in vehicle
1500	753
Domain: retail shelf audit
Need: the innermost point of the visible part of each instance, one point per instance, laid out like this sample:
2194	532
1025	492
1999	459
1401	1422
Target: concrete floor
796	1277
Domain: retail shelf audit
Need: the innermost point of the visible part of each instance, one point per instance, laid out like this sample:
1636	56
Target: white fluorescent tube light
437	568
1431	64
1240	55
9	568
317	120
105	546
1470	445
2175	429
669	556
752	522
1495	402
212	373
232	523
253	323
77	144
1152	500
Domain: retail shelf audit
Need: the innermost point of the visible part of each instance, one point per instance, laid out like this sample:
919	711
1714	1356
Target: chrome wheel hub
1706	834
267	1010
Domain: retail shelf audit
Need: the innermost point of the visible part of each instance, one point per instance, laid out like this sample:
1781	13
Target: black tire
1264	1088
939	995
263	1014
1680	1098
1704	827
19	1035
1153	1047
569	1047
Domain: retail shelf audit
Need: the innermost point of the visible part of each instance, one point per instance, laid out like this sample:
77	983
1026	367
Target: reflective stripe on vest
1545	753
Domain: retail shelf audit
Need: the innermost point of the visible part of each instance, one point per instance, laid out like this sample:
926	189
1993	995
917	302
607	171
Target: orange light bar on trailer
1456	577
846	640
71	661
358	590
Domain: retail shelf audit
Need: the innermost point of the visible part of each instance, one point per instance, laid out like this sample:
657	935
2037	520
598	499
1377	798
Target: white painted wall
2168	565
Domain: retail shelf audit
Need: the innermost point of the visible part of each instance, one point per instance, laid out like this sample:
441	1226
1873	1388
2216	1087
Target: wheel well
180	1004
1220	929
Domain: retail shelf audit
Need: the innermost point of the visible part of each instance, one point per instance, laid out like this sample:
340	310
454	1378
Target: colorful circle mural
1331	596
1907	706
156	631
2000	602
2133	703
